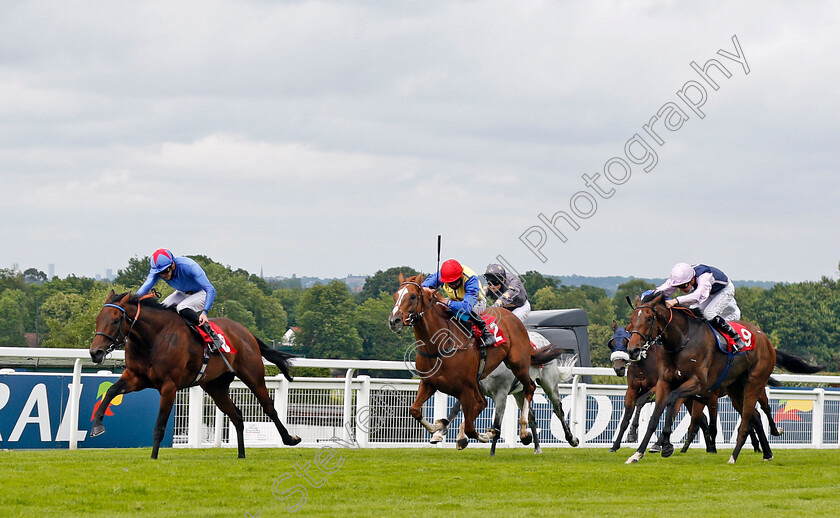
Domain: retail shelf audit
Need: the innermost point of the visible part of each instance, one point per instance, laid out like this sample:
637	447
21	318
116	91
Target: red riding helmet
451	271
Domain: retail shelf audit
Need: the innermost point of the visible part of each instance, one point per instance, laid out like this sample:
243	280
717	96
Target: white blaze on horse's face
401	294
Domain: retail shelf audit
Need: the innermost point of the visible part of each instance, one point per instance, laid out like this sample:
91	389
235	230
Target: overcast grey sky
327	138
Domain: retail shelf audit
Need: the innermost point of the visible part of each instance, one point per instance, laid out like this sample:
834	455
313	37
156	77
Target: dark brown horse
448	357
692	365
642	376
161	352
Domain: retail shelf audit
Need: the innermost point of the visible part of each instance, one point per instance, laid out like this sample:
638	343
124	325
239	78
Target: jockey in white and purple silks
193	295
465	298
709	289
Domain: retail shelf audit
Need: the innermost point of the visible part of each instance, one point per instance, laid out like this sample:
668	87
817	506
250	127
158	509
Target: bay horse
642	376
448	358
692	365
163	353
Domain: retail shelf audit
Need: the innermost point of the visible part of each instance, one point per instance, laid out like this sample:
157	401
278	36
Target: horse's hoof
711	449
632	437
667	450
97	429
613	449
636	457
436	438
777	433
537	451
526	440
482	437
731	460
656	448
293	441
684	449
768	459
574	443
460	444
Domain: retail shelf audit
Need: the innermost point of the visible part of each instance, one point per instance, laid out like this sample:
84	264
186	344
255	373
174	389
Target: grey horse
501	382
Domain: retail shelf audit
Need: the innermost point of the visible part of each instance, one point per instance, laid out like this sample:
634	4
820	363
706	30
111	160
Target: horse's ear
124	300
401	278
615	325
108	298
638	300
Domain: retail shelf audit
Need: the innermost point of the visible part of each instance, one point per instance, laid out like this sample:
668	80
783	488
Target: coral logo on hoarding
100	394
790	410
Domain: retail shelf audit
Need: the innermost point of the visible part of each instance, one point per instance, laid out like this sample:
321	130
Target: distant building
289	338
50	272
355	283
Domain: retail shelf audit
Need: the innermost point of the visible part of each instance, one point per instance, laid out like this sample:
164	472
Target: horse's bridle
414	316
646	337
120	340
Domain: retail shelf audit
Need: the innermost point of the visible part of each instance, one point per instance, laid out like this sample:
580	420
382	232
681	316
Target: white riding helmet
681	273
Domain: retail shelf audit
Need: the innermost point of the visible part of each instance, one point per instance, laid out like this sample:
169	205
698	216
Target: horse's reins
116	343
414	316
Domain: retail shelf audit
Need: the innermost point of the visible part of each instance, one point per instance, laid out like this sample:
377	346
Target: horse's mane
150	302
650	296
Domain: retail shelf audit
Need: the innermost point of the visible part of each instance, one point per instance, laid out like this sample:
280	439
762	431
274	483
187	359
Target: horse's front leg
630	399
167	399
424	392
689	388
442	424
662	389
500	401
127	382
641	401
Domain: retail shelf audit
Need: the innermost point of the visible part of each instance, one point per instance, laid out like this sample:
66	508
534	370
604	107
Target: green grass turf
410	482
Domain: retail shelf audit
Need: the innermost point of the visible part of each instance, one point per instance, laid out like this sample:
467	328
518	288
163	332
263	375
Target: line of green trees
331	322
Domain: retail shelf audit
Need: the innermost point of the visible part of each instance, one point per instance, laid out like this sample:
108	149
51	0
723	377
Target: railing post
510	423
75	394
194	415
347	423
363	412
580	413
818	417
217	428
281	405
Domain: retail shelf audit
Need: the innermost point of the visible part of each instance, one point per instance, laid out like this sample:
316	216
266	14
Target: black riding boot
192	317
487	338
725	327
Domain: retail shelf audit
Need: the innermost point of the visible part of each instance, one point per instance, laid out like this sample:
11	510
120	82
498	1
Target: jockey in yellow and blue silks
193	295
465	299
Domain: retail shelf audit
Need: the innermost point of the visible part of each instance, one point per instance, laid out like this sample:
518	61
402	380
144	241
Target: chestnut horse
162	352
692	365
448	358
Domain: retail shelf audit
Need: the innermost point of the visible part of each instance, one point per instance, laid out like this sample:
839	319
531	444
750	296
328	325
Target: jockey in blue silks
464	295
193	295
709	289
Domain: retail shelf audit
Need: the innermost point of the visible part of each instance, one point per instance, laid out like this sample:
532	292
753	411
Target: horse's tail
794	364
546	354
773	382
278	358
565	367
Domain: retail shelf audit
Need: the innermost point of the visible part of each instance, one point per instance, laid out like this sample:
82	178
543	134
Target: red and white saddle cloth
495	330
226	347
728	343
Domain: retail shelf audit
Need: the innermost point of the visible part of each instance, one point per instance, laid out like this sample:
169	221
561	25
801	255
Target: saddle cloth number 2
497	333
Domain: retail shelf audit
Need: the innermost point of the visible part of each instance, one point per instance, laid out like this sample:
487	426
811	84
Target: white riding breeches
722	303
181	300
523	311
